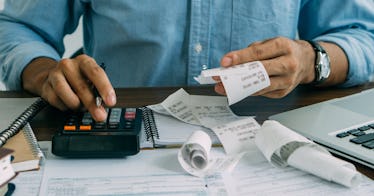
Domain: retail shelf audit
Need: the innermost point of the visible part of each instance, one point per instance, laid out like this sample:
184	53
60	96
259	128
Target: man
166	43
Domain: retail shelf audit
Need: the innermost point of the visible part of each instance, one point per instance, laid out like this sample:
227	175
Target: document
157	172
151	172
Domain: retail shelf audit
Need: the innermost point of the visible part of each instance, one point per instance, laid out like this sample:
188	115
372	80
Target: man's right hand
68	84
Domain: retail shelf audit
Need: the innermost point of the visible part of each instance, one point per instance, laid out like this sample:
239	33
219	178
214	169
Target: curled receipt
194	156
282	147
239	81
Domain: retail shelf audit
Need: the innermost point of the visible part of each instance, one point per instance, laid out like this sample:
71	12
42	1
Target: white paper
158	108
207	111
253	175
177	104
239	81
194	154
151	172
205	80
194	157
235	133
237	136
282	147
211	110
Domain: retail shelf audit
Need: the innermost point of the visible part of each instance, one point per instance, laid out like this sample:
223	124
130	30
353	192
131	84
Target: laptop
345	126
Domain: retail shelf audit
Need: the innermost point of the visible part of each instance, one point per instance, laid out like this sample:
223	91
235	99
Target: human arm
347	34
31	45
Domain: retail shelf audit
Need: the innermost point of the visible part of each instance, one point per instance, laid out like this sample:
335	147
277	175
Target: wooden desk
46	123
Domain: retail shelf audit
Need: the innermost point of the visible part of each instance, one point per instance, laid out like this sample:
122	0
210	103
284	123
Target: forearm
36	73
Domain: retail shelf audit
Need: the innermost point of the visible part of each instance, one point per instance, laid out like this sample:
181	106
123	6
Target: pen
98	98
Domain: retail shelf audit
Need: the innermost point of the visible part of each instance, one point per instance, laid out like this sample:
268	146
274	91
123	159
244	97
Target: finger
276	94
52	98
63	90
101	82
279	66
78	81
220	89
216	78
279	87
257	51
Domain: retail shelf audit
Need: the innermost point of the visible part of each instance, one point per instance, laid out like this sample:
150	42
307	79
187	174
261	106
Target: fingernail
226	61
111	98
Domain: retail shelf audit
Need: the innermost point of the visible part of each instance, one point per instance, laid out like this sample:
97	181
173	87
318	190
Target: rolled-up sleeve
25	34
350	25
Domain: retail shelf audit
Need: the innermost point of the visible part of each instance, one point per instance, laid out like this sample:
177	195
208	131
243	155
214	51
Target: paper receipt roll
282	147
194	154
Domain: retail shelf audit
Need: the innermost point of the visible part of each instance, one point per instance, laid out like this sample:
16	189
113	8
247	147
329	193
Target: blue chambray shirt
167	42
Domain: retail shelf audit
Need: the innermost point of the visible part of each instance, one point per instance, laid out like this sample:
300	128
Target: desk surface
45	124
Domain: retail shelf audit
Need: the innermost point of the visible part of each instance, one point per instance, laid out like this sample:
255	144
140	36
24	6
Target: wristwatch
322	63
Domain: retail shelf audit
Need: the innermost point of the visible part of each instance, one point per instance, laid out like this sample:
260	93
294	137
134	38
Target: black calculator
82	137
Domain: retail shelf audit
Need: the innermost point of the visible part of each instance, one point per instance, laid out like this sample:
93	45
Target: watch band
318	49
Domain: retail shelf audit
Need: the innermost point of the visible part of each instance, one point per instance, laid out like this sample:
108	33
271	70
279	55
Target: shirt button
204	67
198	48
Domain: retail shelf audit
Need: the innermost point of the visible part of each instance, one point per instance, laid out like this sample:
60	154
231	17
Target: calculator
83	137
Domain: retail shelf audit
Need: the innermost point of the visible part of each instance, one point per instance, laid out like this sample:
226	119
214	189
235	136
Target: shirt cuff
20	57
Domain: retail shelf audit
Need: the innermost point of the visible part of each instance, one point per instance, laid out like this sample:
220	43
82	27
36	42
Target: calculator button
87	119
99	125
85	127
130	115
70	128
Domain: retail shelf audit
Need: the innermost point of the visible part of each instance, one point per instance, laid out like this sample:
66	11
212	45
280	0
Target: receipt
239	81
283	147
194	156
199	110
237	136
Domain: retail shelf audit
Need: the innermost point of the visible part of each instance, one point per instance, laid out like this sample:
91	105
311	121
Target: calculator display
117	136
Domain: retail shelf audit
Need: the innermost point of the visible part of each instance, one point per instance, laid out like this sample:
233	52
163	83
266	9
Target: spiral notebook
17	134
163	131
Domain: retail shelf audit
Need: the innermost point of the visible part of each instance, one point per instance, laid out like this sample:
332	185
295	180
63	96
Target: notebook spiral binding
33	142
22	120
149	125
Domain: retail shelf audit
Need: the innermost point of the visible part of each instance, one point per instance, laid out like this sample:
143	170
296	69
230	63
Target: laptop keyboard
363	135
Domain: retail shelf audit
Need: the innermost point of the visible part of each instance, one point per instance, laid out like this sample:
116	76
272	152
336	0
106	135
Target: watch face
325	66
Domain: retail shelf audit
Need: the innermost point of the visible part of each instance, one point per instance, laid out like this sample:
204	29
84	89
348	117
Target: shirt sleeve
31	29
349	24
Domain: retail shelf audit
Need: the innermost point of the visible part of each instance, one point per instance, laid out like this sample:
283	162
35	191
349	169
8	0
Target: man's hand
68	84
287	62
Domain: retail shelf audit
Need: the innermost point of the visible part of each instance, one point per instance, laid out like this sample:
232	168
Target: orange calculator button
85	127
70	128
